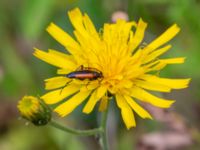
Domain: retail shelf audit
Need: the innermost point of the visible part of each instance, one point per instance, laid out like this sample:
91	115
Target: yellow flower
128	69
28	106
32	109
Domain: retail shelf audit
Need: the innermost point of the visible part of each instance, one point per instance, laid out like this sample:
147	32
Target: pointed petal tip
171	102
176	27
50	27
131	126
50	24
149	117
59	113
169	46
35	48
36	51
141	21
85	111
187	82
87	108
74	11
183	58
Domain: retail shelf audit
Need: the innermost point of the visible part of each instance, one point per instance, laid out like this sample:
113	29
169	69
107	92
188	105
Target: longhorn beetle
83	73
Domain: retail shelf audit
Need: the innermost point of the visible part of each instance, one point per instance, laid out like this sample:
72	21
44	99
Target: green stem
104	141
97	131
76	132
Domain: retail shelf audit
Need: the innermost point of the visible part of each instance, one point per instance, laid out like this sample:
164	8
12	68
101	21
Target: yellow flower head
33	110
28	106
128	69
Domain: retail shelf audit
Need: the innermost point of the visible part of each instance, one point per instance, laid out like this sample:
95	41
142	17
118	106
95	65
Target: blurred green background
22	27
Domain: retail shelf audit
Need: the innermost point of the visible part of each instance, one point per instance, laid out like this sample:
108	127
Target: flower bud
34	110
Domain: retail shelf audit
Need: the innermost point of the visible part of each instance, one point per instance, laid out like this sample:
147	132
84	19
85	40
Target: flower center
28	106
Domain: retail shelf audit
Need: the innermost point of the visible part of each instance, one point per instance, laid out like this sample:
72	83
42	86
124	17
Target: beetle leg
64	86
87	84
80	68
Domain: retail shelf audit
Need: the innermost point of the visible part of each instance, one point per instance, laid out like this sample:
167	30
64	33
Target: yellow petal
172	83
103	103
63	38
90	26
85	32
137	57
152	86
55	82
178	60
94	98
88	49
107	33
56	95
138	36
62	55
163	38
53	59
76	19
142	95
126	112
158	66
68	106
137	108
126	83
101	91
91	103
64	71
151	64
122	28
87	85
156	53
161	63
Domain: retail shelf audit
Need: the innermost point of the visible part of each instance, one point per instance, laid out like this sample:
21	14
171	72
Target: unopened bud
34	110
